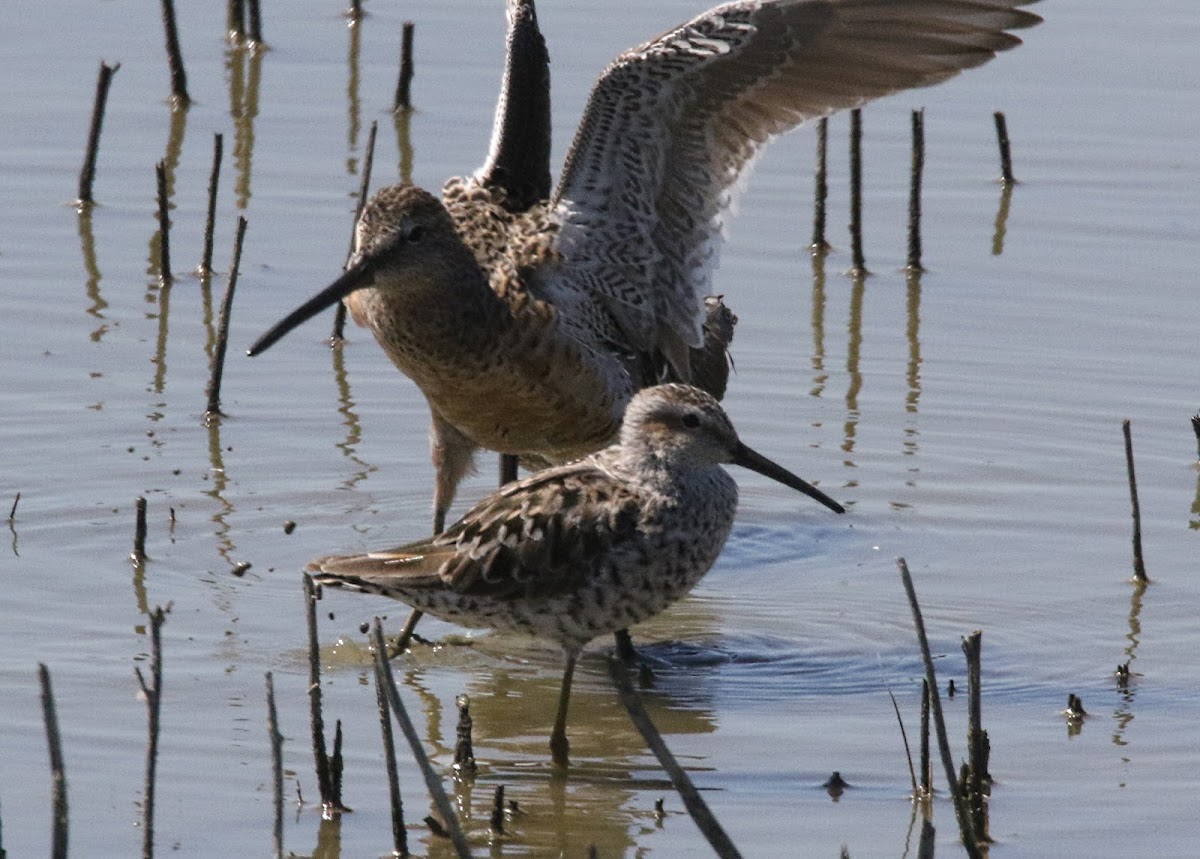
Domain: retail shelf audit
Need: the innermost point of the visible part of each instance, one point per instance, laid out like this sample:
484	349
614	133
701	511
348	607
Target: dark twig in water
926	764
912	773
437	792
139	531
88	174
939	721
255	35
214	177
403	100
213	409
858	264
914	191
1139	565
164	224
179	93
497	820
692	801
12	513
331	800
235	21
464	752
339	316
276	739
399	833
818	245
152	693
1006	171
58	772
977	786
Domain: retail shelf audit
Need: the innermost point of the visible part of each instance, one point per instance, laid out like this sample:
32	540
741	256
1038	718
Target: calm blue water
971	421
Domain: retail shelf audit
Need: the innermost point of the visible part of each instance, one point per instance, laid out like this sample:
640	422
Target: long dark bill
355	277
751	459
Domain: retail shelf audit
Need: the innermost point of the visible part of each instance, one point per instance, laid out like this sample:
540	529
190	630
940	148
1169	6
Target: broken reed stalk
1139	566
12	514
339	316
939	721
692	801
255	34
214	178
331	799
152	694
1006	172
179	93
914	191
912	774
213	409
437	792
399	833
235	20
464	751
818	245
978	748
858	263
403	100
87	175
139	531
926	766
164	224
276	739
497	820
58	772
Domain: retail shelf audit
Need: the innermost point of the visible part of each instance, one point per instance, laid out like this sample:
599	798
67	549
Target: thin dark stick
164	224
464	751
904	736
977	738
926	767
256	38
213	409
152	693
339	317
914	191
324	782
818	245
403	99
1006	171
355	12
1139	566
399	833
276	739
235	20
437	792
58	772
139	530
858	265
12	514
692	801
214	178
939	722
88	174
497	821
179	93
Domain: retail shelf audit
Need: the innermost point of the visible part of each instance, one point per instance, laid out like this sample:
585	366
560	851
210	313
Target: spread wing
672	126
545	533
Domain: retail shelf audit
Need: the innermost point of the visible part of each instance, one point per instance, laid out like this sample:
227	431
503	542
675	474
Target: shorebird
528	332
579	550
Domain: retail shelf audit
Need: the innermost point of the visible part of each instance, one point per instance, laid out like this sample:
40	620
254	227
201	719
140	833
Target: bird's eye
691	420
415	233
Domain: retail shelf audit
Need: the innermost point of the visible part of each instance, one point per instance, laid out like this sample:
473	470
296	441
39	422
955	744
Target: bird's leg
508	468
401	642
625	650
558	737
453	459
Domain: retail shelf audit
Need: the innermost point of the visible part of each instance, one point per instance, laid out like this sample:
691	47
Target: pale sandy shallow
973	426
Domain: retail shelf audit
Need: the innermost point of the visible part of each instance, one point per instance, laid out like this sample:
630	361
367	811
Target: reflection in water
1001	219
160	341
853	356
87	248
1124	712
913	374
353	107
820	376
244	67
174	148
225	546
1194	524
349	418
206	305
